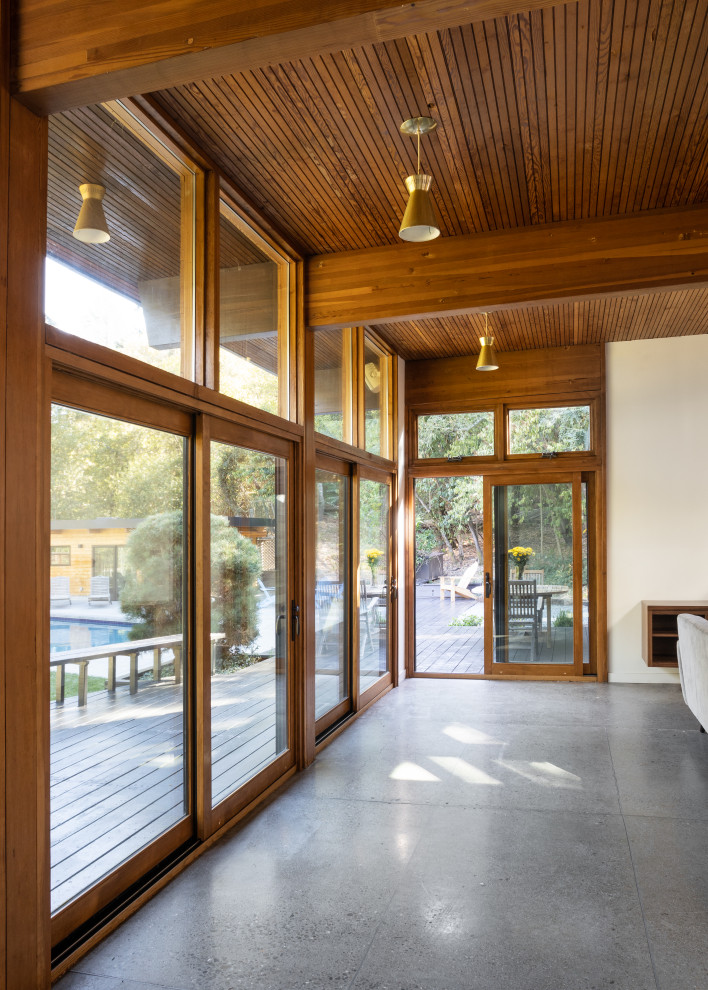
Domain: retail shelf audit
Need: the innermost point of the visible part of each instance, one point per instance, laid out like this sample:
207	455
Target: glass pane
456	435
249	615
333	371
331	592
533	573
586	572
373	581
556	430
375	399
118	769
134	292
252	319
449	575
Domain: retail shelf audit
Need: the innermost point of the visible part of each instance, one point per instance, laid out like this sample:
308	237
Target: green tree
153	589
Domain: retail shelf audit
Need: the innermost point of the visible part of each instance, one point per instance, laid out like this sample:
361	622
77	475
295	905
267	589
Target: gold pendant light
419	223
487	358
91	226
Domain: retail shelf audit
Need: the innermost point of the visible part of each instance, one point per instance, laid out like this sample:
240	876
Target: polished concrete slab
461	835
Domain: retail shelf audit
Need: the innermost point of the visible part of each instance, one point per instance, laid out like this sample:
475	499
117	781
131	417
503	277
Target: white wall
657	488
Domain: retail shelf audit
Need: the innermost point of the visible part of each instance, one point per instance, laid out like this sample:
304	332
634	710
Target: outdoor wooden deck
445	649
117	768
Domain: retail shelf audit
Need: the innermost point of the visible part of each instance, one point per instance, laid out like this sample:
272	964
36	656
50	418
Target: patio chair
459	586
100	590
522	618
367	616
59	593
326	594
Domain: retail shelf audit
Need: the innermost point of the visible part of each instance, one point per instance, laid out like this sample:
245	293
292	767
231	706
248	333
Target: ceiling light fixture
419	223
91	227
487	358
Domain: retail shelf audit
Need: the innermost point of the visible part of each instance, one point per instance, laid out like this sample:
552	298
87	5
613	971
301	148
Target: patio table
547	591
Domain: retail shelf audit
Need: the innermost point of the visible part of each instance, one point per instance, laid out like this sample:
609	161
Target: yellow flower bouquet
373	558
520	556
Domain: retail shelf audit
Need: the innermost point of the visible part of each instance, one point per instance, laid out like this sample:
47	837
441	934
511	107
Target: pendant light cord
418	132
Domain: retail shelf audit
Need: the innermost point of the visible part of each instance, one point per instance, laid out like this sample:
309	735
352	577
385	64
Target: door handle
487	585
394	590
294	620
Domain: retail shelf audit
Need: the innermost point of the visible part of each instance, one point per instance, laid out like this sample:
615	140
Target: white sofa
692	653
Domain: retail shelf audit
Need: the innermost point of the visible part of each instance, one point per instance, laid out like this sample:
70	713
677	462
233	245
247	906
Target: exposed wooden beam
66	59
574	260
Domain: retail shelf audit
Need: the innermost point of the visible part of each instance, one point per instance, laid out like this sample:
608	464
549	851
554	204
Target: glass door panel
119	777
249	614
374	588
332	594
533	567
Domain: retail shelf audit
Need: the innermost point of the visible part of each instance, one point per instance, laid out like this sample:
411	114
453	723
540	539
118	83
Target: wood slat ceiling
657	314
581	110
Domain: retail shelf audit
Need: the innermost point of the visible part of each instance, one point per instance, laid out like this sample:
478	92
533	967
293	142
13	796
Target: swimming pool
77	634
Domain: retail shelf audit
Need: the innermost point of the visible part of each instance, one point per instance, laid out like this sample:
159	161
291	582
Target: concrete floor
460	836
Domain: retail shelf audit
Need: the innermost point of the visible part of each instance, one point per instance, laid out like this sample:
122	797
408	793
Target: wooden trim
202	638
331	736
91	61
240	818
516	468
354	565
377	690
577	516
230	808
507	677
65	921
5	53
543	263
92	361
26	863
91	396
333	715
210	343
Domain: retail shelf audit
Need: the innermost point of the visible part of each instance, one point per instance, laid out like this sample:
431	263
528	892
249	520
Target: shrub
153	589
563	619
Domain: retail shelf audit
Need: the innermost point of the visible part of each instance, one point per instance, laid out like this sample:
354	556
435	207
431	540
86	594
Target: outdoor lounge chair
59	593
459	586
100	590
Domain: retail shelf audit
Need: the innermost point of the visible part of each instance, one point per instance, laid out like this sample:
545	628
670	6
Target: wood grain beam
574	260
67	59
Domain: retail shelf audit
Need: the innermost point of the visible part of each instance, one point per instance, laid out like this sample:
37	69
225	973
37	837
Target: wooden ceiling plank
656	29
598	91
483	149
495	103
621	48
680	153
429	54
505	82
674	111
636	81
674	48
522	64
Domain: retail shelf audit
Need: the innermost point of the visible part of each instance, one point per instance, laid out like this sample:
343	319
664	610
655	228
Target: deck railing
158	646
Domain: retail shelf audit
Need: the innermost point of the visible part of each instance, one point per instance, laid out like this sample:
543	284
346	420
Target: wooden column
24	523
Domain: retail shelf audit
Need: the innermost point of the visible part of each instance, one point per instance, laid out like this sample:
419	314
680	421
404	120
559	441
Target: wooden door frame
344	708
252	438
530	670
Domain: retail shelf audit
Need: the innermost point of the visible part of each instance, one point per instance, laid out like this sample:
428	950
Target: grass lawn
71	685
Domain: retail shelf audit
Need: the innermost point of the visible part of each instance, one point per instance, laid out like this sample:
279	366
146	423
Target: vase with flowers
372	557
519	557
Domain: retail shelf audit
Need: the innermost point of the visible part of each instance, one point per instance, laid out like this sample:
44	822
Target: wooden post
133	672
24	539
60	676
83	684
112	673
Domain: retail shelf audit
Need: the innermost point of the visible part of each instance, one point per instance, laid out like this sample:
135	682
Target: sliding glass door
536	578
375	586
333	689
120	778
253	614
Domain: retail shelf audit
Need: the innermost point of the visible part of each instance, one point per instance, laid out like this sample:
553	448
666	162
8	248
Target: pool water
75	634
